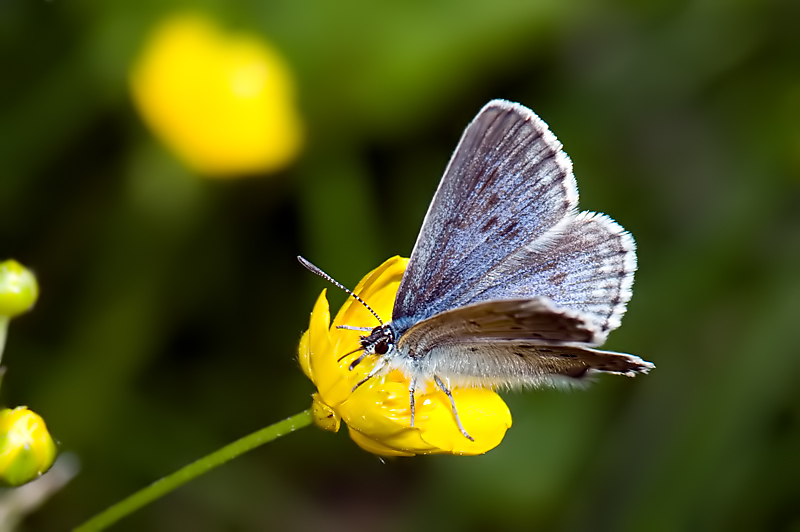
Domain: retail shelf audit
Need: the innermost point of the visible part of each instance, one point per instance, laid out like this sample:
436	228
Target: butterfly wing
587	266
507	185
511	342
507	284
509	320
523	364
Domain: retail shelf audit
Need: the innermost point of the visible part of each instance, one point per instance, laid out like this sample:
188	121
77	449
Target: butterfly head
381	341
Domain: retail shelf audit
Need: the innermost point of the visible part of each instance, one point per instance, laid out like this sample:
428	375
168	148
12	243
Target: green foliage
171	307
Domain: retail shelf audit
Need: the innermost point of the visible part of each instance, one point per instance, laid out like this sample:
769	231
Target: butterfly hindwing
524	364
507	184
511	342
509	320
588	266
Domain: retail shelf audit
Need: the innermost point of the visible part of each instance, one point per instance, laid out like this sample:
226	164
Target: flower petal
378	288
483	413
373	446
320	318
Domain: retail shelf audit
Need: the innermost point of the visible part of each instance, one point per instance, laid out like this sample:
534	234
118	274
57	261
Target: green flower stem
3	333
195	469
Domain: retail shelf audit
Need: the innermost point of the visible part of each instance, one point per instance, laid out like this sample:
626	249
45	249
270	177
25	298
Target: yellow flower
26	448
378	413
18	289
223	103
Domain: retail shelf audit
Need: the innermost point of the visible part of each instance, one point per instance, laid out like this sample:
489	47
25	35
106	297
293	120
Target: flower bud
18	289
26	448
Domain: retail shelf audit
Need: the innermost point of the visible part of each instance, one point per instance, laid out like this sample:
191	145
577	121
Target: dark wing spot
508	229
489	224
558	278
519	354
473	349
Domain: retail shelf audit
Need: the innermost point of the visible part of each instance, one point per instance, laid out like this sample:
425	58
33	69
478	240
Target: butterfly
507	284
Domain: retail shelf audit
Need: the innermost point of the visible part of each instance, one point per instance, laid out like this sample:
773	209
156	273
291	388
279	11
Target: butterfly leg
444	388
379	366
412	387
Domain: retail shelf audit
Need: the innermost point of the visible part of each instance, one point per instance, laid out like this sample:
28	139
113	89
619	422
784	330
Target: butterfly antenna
313	269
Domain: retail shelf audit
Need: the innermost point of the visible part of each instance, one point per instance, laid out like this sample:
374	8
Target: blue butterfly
508	284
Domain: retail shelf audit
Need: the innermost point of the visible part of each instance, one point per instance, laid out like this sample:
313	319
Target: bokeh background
171	302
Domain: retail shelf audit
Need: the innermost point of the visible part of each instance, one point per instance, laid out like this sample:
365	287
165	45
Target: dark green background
171	306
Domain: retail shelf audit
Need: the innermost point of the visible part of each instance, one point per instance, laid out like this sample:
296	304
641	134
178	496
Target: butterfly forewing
507	184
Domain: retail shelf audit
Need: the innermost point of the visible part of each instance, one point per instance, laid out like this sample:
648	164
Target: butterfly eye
382	347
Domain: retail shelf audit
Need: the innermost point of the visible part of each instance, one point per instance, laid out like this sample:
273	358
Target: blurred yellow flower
26	448
224	103
18	289
378	414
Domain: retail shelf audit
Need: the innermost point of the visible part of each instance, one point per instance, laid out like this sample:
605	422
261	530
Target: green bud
26	448
18	289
